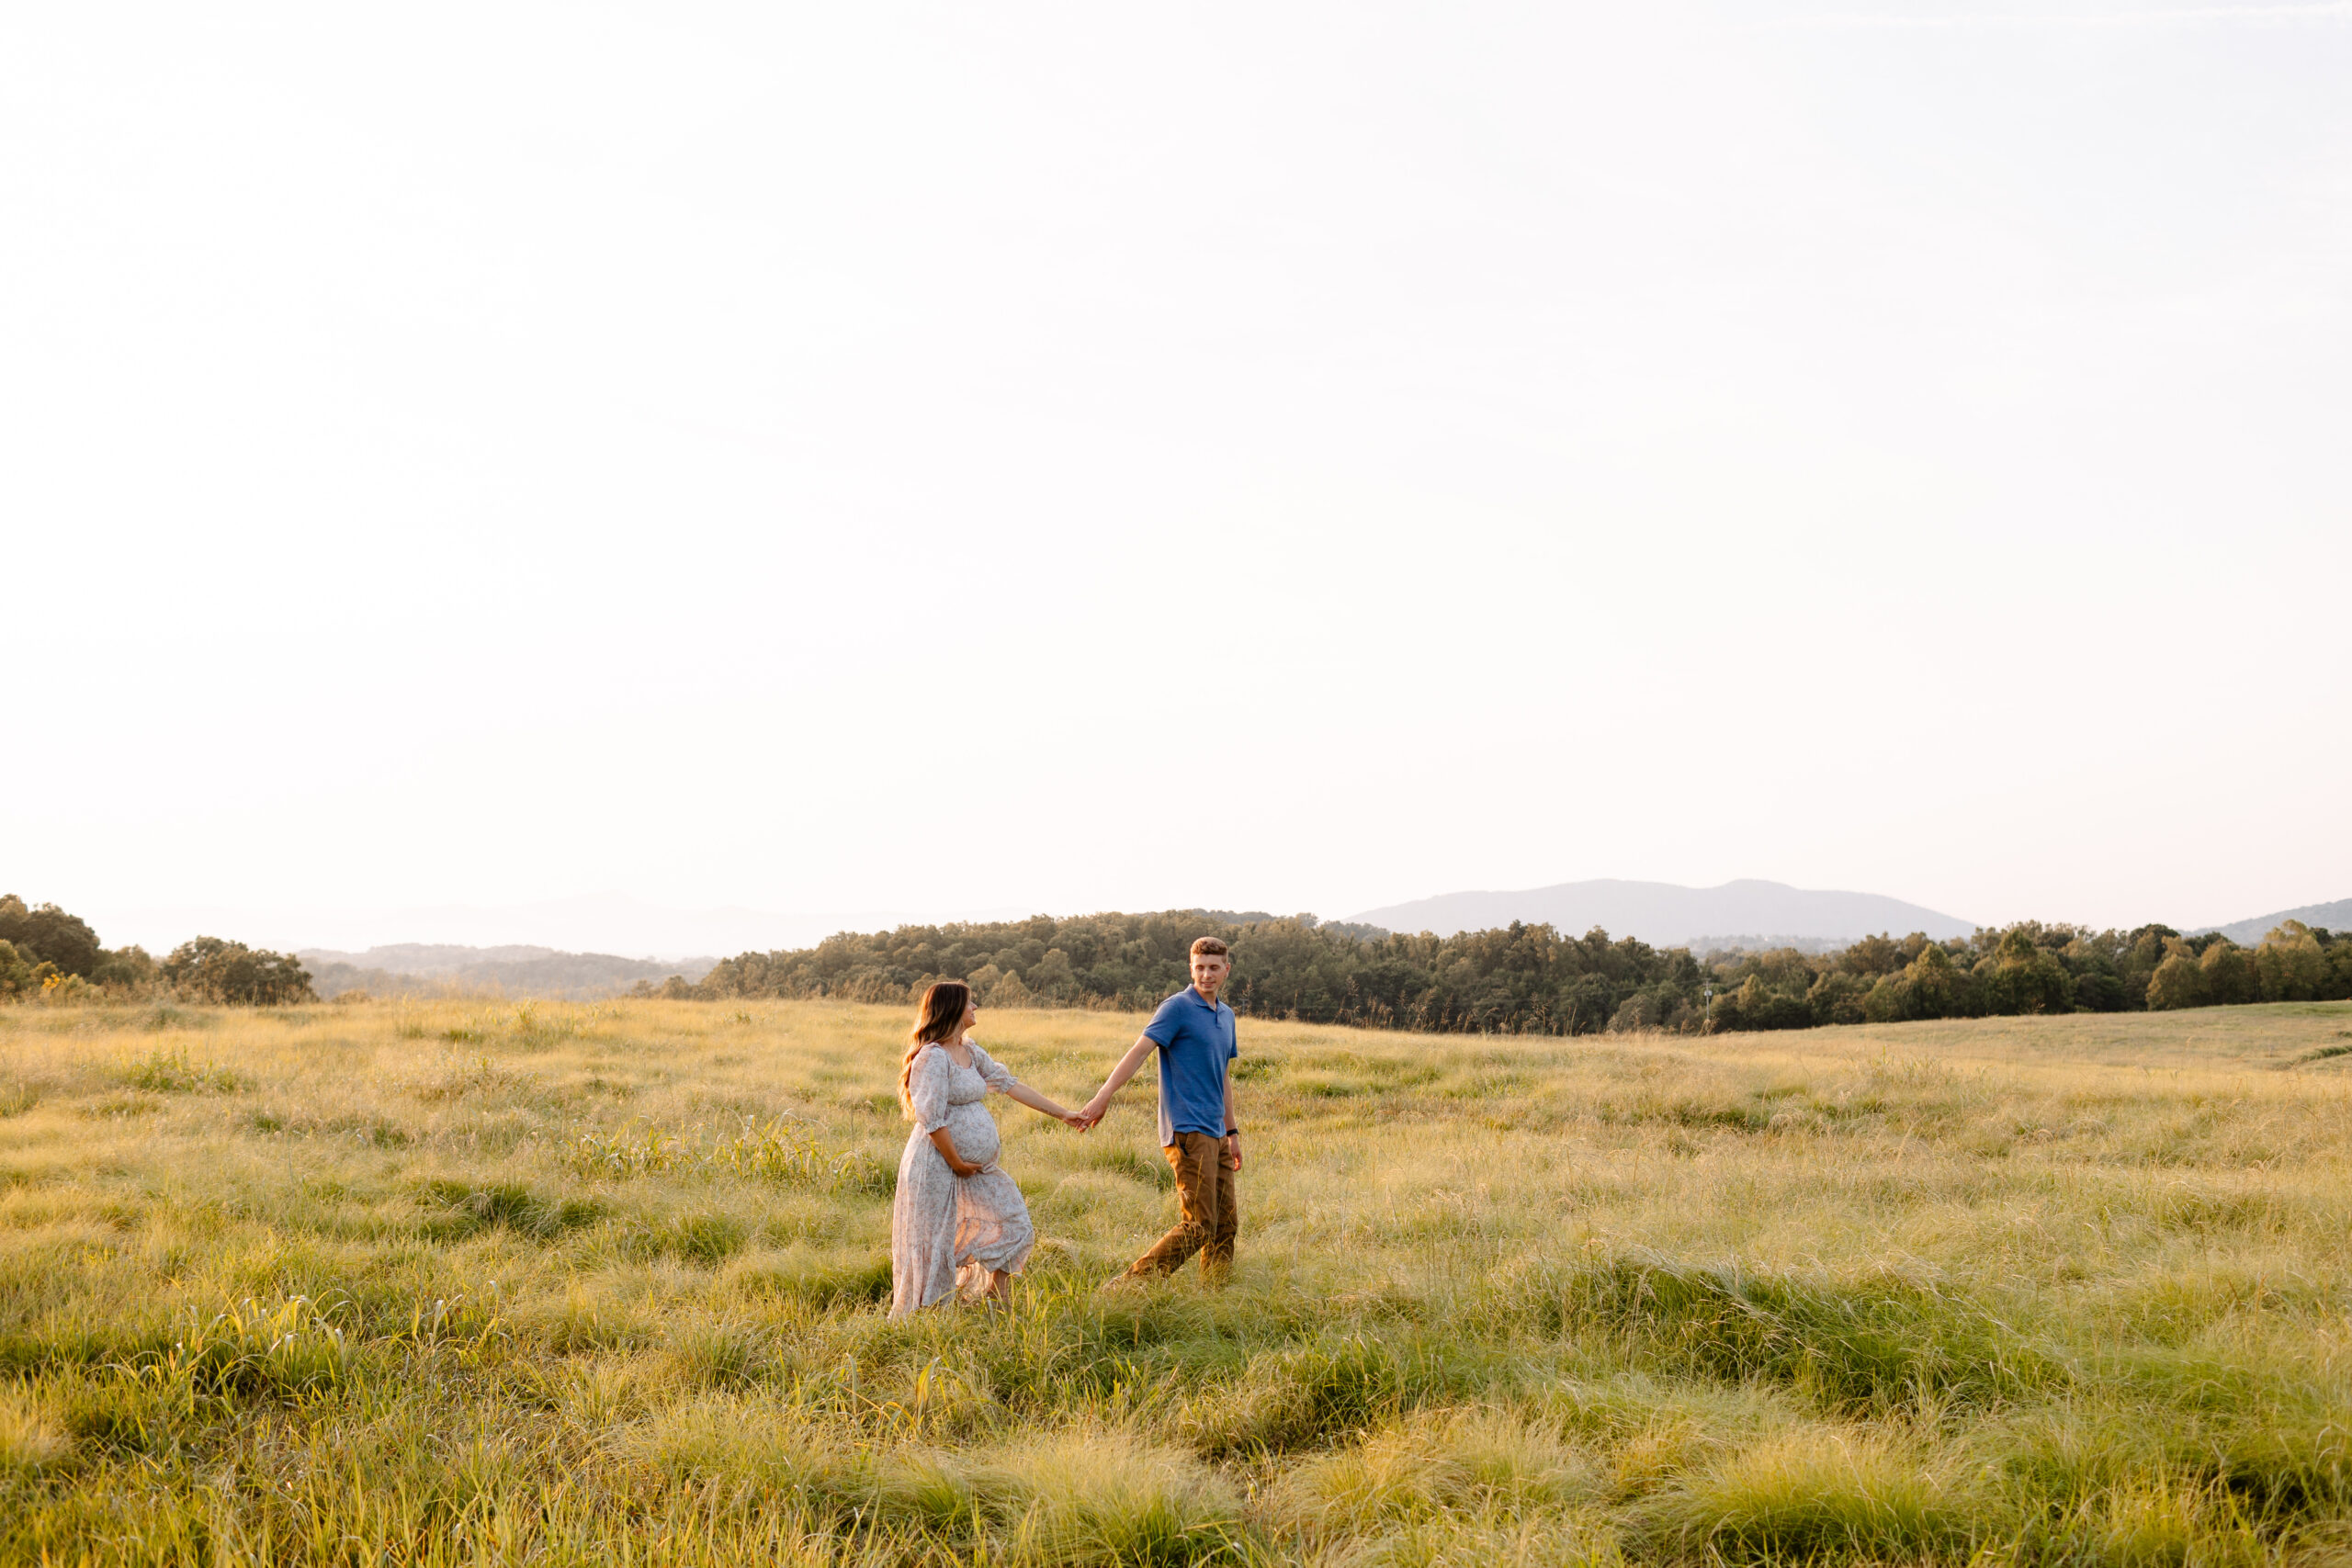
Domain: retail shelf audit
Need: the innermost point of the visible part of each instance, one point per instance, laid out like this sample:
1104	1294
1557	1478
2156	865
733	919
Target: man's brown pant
1211	1215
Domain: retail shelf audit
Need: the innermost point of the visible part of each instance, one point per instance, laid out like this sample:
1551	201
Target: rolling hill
435	968
2333	916
1744	913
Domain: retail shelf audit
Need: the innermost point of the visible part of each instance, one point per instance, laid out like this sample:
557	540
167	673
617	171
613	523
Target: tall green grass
428	1283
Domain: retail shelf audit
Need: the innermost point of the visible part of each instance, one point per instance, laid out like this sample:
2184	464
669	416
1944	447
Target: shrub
171	1072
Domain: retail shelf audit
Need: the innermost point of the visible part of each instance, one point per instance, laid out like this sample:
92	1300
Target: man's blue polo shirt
1195	1041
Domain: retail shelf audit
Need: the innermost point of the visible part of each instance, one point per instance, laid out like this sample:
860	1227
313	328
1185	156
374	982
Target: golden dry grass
465	1281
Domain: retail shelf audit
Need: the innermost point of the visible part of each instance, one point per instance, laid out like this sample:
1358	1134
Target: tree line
1519	979
1525	979
2027	968
47	953
1530	980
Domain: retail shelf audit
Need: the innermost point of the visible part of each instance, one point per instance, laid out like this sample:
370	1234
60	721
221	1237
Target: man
1193	1031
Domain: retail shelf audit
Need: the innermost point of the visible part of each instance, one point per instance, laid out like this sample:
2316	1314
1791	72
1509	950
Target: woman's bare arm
944	1142
1036	1101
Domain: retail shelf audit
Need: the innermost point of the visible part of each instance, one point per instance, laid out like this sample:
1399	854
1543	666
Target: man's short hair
1210	946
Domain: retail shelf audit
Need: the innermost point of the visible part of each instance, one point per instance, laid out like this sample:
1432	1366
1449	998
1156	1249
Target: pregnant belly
973	1131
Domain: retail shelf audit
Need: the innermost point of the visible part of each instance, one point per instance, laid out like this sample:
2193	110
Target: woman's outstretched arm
994	1074
1036	1101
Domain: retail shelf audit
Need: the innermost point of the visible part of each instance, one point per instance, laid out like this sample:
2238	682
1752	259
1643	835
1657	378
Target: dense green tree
1942	987
2178	982
125	969
49	934
16	971
214	970
1891	1000
2023	976
1876	956
1841	996
2293	968
2340	962
1760	1004
2136	964
2098	988
1660	1004
2227	975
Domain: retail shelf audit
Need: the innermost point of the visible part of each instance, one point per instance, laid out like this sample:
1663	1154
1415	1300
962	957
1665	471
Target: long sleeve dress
947	1232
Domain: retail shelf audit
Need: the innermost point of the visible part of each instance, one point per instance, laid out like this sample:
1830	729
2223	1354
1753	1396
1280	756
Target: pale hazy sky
957	458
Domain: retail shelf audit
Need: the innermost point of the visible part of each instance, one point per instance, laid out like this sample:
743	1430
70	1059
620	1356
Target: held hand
1077	1120
1093	1109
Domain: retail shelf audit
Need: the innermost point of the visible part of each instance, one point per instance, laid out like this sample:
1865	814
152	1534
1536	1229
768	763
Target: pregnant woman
958	1225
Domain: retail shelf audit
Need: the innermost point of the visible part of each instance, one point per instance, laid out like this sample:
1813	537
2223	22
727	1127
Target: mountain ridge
2335	917
411	968
1666	914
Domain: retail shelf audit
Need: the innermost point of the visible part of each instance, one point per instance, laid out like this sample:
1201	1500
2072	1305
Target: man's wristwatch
1233	1132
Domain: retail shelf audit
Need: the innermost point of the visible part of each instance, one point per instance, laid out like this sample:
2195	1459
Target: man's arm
1232	1126
1144	1046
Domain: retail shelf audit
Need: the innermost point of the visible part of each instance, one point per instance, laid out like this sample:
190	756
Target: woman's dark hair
943	1007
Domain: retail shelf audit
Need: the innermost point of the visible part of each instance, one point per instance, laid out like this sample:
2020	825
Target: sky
549	472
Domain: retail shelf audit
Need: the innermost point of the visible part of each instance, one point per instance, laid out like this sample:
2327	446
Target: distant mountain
1667	916
412	968
2333	916
429	959
1764	942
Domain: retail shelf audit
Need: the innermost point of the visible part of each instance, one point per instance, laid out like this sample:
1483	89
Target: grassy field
497	1282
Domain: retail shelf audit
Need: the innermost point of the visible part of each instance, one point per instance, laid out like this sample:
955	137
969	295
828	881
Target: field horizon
446	1280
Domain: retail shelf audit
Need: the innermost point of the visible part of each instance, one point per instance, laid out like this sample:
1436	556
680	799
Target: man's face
1209	970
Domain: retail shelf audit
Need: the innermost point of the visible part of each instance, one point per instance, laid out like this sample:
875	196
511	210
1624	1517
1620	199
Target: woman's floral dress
948	1232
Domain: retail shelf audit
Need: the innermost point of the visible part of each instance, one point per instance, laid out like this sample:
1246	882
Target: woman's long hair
943	1007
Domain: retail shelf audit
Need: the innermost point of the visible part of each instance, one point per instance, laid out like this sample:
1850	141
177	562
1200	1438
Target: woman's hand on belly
944	1142
978	1139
